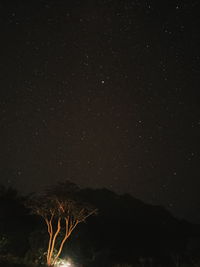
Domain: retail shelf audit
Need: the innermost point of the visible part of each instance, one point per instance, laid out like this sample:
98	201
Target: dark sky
104	93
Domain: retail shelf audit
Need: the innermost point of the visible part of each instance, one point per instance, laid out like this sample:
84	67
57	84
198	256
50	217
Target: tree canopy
61	210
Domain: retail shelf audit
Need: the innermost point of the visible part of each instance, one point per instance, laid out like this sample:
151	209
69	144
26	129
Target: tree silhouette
14	221
61	210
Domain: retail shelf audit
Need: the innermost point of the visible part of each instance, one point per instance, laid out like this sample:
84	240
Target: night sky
104	93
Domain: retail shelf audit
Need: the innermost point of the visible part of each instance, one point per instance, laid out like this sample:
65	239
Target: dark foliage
15	221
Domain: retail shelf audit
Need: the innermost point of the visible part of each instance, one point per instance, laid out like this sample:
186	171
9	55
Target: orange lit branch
54	210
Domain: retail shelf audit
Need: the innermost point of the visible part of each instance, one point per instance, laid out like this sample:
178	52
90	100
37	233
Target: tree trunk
52	245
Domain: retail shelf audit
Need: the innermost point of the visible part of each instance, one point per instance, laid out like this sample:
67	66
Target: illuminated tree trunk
54	210
50	231
69	227
52	239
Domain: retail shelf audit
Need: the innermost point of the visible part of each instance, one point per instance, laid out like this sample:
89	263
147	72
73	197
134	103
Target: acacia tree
61	213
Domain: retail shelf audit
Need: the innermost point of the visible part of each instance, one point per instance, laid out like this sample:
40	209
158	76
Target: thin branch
89	214
72	227
48	226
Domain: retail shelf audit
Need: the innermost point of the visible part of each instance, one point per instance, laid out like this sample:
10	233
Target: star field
104	93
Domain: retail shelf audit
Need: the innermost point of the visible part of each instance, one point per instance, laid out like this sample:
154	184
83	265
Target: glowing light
64	263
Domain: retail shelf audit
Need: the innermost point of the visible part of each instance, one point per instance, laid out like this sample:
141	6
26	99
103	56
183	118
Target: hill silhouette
127	228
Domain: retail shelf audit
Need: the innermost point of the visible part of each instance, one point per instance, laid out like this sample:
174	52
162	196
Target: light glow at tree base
64	263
